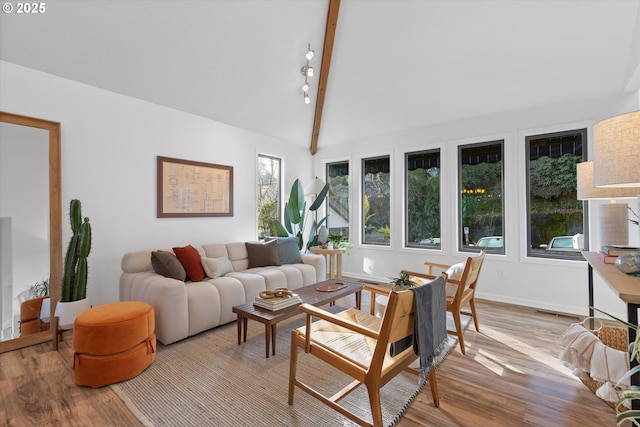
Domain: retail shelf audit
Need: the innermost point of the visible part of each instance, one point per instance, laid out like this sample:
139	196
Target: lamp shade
616	143
314	187
588	191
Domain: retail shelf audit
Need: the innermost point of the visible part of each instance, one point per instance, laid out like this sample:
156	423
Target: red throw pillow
190	259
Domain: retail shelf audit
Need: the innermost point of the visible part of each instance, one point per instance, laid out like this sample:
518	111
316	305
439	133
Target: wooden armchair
334	340
461	290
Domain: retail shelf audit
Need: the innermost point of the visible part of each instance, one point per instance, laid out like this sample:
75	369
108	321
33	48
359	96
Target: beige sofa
185	308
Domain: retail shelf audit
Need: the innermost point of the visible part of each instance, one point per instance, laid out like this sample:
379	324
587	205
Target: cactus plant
74	280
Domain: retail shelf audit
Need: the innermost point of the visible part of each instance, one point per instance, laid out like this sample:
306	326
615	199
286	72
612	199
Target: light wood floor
510	376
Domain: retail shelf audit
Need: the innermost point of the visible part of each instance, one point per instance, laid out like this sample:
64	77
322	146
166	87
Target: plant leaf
320	198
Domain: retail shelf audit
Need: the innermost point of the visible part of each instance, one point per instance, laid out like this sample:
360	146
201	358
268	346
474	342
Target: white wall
555	285
109	148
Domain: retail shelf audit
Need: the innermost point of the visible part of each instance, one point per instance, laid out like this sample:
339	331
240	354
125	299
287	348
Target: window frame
558	255
327	207
460	226
436	243
279	205
363	168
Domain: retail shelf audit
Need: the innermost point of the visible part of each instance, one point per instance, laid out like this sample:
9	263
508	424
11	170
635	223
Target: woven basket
611	336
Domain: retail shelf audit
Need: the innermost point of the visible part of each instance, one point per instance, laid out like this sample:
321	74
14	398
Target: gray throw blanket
429	323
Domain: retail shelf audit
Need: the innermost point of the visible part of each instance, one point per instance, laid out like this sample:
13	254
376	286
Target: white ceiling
397	64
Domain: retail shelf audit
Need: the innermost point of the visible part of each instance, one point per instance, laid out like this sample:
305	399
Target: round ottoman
113	342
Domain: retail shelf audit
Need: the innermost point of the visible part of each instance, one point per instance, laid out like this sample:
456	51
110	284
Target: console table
627	288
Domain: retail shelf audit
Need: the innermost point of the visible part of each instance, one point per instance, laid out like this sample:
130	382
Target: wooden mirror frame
55	228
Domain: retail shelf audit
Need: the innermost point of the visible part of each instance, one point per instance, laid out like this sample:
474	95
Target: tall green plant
74	279
295	212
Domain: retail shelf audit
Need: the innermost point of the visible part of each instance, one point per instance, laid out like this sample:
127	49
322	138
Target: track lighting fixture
310	54
307	71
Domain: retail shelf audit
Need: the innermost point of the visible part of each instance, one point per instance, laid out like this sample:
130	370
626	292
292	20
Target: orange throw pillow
189	257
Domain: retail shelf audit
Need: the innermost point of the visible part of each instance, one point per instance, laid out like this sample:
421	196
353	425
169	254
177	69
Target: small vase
66	312
629	264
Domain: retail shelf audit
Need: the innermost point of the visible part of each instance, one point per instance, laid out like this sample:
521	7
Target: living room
111	139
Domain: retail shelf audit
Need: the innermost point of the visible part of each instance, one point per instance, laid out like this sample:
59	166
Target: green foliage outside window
482	200
423	204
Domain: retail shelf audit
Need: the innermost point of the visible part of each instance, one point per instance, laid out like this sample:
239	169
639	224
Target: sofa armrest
318	262
167	296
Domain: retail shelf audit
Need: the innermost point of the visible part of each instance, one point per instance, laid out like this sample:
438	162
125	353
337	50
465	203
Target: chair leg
433	383
472	305
374	402
293	362
458	322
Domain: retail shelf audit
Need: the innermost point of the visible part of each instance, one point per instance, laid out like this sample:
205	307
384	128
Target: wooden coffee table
308	294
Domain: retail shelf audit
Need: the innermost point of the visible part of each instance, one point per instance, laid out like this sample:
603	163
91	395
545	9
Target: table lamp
613	216
616	143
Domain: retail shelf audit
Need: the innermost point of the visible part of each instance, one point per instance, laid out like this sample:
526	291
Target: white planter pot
66	312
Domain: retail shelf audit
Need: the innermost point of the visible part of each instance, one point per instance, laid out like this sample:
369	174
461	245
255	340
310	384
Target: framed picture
194	189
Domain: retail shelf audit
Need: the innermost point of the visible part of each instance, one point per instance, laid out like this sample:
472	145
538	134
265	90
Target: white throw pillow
216	267
455	271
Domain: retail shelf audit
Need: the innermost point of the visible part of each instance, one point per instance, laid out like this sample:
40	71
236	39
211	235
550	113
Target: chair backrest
397	324
30	309
469	276
473	265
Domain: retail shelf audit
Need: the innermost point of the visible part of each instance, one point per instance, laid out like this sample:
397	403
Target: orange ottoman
113	342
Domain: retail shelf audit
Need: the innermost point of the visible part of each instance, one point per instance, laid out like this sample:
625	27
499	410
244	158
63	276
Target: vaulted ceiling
396	64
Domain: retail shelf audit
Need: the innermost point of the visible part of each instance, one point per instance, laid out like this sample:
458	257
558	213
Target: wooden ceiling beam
325	65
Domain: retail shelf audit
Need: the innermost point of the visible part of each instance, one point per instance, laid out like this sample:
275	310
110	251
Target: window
481	205
422	199
269	180
338	198
555	215
376	205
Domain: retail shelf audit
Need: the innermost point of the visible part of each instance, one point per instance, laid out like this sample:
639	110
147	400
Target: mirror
30	224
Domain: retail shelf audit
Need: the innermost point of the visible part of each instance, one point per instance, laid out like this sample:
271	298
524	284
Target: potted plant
402	282
338	241
295	213
73	299
38	289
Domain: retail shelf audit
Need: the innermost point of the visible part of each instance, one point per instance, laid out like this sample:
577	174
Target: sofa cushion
262	254
190	259
288	250
216	267
167	265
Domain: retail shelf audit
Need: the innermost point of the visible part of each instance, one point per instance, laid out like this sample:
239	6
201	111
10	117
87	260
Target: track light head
307	71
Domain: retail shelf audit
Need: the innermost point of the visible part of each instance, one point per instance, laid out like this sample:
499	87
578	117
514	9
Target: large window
376	205
481	204
555	216
422	198
338	198
269	181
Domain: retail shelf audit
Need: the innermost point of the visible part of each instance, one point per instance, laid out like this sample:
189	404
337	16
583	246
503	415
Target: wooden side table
334	257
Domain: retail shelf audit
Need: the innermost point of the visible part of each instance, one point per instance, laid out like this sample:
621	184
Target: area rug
209	379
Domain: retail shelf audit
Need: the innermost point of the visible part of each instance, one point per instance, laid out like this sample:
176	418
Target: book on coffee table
277	303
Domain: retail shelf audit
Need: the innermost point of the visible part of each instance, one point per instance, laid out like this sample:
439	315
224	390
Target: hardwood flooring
510	376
